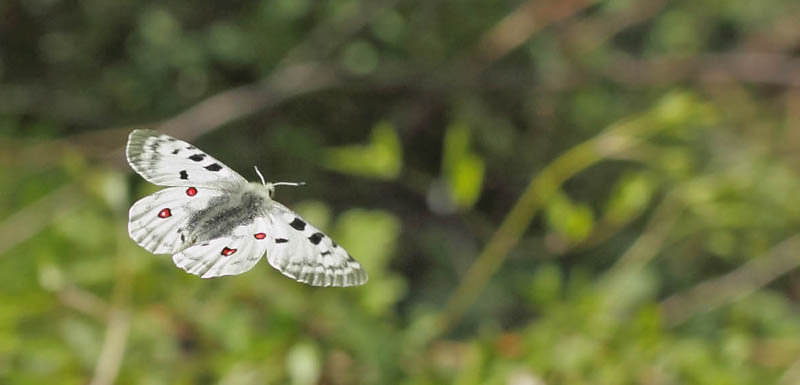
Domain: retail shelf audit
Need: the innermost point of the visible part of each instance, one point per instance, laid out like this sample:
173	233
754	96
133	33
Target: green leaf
382	158
360	58
573	221
368	233
463	170
389	26
371	237
629	197
303	364
546	285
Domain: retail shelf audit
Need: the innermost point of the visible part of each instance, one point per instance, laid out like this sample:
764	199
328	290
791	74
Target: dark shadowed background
543	192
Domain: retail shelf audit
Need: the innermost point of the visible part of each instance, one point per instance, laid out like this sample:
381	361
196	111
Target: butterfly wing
231	254
302	252
159	222
165	161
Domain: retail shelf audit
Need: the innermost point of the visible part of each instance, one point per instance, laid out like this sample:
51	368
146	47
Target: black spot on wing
334	244
325	253
316	238
176	151
154	148
281	240
197	157
184	174
350	258
213	167
298	224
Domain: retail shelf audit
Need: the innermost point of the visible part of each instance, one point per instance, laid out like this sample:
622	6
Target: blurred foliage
542	192
463	170
382	158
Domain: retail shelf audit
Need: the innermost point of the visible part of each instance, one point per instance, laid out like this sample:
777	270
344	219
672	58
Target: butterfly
214	222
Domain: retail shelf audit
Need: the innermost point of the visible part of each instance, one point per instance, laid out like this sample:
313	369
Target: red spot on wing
260	235
227	251
191	191
165	213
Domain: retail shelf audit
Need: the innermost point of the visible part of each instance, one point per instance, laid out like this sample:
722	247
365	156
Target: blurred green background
543	192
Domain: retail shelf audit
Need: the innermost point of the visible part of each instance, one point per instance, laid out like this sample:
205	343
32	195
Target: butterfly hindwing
302	252
158	222
231	254
166	161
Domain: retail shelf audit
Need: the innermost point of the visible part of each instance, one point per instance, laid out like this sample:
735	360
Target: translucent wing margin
165	161
302	252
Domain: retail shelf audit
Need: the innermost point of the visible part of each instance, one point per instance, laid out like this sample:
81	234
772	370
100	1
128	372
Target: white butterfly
216	223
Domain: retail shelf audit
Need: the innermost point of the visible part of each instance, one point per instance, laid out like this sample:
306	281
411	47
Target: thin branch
655	233
520	25
239	102
614	140
779	35
327	36
791	376
110	359
594	31
119	320
511	32
84	302
31	219
748	278
300	71
764	68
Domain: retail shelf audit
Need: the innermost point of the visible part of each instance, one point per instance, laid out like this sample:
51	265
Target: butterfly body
240	205
215	222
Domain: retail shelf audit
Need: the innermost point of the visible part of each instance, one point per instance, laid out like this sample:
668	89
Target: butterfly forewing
166	161
300	251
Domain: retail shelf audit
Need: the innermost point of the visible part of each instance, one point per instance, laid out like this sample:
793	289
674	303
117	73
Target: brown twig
594	31
791	376
771	69
84	302
113	350
520	25
327	36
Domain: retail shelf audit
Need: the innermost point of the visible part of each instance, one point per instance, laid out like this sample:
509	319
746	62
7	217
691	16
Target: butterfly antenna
263	182
289	184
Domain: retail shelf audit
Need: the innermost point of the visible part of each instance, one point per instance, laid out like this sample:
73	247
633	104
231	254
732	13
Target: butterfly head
271	186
